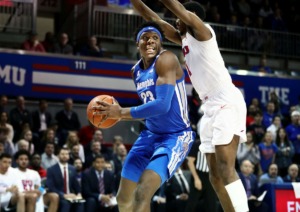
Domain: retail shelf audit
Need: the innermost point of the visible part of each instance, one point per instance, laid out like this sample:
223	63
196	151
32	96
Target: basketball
100	121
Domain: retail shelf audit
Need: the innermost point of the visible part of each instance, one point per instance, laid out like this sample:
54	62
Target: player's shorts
224	116
161	153
5	200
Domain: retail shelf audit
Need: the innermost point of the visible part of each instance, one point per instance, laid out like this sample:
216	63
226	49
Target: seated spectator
269	115
273	128
74	154
23	145
48	42
276	100
256	128
285	152
9	191
98	187
177	192
250	115
271	176
95	150
62	46
61	179
31	182
262	67
27	135
92	48
4	123
72	140
8	146
278	23
19	116
36	166
256	103
48	157
49	137
293	132
118	161
268	150
292	175
249	151
109	166
250	184
3	103
41	119
33	44
78	167
86	134
106	151
67	120
117	140
50	198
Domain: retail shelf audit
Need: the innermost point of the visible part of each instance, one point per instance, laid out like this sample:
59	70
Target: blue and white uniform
168	134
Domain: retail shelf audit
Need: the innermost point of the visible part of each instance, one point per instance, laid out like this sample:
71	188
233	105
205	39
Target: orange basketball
100	121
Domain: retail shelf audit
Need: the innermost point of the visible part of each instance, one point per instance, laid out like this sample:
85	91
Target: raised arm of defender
193	22
169	31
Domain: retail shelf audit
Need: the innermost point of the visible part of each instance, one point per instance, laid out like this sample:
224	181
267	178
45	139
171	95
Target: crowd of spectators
59	163
62	152
61	45
276	15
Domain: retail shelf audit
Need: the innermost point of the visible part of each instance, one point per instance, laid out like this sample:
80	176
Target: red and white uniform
30	179
223	104
6	181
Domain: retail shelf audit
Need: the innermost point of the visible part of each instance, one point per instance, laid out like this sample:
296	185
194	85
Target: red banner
286	201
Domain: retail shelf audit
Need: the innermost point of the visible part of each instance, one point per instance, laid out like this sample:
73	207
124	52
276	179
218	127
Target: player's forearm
125	114
159	106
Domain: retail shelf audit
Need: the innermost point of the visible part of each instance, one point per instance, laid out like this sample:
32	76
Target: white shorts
5	199
224	116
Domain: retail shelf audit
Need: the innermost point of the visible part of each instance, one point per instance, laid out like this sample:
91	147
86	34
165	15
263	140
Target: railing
120	24
18	16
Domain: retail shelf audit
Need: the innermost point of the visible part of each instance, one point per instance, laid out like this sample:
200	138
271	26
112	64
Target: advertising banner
57	77
286	201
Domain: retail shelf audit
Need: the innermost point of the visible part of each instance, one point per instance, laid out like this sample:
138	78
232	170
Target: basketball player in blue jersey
163	145
223	125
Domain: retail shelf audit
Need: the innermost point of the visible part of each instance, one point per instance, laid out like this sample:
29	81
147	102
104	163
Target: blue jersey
176	119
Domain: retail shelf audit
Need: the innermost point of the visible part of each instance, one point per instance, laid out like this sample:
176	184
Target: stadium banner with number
57	77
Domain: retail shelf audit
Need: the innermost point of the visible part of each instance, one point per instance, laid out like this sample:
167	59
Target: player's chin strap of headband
148	29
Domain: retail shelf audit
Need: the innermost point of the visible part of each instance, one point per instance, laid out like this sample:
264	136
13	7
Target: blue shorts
161	153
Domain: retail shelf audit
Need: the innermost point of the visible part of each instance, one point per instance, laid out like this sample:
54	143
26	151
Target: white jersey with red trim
29	179
205	64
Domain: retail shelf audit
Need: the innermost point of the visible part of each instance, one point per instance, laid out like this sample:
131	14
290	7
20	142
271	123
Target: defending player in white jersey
224	122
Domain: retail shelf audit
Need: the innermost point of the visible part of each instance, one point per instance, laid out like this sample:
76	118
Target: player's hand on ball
112	111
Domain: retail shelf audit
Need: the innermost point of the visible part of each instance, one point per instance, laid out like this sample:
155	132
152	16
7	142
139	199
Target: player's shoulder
166	55
136	65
